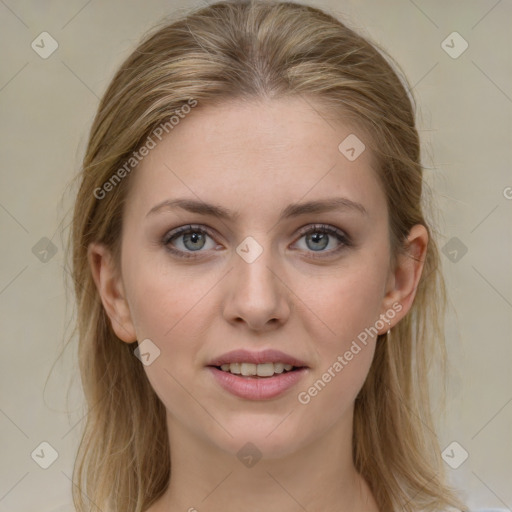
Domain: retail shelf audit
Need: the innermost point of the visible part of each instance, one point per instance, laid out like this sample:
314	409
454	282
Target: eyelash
316	228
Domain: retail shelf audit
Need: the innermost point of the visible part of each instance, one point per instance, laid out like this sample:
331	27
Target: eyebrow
292	210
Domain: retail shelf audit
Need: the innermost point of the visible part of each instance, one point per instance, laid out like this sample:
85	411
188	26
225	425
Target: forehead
260	154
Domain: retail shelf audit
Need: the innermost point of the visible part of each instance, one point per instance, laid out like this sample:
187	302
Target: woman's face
265	276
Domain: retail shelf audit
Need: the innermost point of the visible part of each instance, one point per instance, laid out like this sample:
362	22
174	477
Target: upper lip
263	356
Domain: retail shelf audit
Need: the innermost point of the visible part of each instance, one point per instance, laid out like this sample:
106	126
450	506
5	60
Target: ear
404	278
110	288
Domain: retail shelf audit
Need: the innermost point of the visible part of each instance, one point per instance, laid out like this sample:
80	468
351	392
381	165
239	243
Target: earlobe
404	279
110	288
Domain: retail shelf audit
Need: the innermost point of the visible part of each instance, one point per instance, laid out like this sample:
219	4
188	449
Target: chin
266	438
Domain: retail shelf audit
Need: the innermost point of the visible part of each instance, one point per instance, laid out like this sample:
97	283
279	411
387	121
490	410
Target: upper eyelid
319	226
180	230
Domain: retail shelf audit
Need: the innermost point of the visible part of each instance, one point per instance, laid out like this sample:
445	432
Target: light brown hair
254	50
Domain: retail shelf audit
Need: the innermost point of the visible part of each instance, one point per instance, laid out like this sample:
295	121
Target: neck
319	476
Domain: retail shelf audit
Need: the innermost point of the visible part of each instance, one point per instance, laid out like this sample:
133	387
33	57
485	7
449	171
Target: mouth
262	375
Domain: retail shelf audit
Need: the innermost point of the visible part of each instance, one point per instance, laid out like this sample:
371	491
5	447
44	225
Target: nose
256	293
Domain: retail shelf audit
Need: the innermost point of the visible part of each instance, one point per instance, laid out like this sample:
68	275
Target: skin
256	158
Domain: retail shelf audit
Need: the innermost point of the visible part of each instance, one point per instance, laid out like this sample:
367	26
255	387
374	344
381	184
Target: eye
193	239
319	236
187	240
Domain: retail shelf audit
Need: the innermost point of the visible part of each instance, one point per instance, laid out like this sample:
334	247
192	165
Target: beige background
465	117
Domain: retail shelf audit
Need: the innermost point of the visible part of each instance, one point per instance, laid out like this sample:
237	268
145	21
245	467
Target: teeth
251	369
265	369
278	367
248	369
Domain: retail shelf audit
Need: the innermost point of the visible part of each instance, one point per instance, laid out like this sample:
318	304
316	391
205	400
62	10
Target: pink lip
257	388
263	356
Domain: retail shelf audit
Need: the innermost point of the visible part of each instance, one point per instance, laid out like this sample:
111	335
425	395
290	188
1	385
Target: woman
259	293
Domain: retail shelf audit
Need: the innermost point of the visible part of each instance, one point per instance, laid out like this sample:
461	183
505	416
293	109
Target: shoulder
478	510
488	510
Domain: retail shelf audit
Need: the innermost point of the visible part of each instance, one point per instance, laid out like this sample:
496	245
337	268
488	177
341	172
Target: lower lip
257	388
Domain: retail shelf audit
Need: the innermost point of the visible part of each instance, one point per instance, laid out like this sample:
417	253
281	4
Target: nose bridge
253	267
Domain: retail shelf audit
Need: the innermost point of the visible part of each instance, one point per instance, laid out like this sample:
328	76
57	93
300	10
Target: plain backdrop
46	109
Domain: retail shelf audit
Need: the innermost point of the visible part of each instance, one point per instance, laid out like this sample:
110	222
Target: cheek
345	350
332	392
168	309
346	302
162	300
